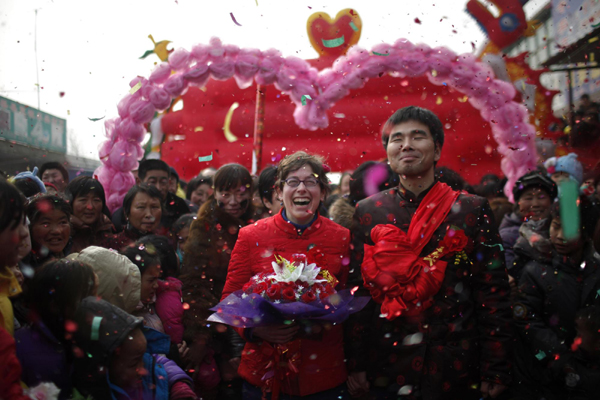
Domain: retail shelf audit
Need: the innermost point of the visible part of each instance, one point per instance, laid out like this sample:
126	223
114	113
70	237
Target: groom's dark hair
414	113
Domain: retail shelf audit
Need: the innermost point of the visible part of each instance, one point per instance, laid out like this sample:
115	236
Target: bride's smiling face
302	201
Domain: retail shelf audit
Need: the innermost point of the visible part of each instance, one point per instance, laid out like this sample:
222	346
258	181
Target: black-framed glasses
308	183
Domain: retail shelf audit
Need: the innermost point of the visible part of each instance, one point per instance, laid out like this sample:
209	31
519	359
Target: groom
440	323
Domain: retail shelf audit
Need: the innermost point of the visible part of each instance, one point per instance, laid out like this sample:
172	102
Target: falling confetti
228	134
205	158
135	88
304	97
95	119
541	355
380	54
417	21
61	94
494	245
234	21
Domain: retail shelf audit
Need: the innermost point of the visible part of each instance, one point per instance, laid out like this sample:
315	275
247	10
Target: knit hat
32	176
534	179
571	166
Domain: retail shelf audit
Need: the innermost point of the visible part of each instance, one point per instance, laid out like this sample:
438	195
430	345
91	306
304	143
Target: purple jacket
43	358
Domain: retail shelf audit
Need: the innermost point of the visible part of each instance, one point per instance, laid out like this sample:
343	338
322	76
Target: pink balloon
125	104
222	70
179	59
161	73
141	111
197	76
159	98
123	156
130	131
201	53
175	85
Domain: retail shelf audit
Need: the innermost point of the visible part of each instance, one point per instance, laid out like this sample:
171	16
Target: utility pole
37	70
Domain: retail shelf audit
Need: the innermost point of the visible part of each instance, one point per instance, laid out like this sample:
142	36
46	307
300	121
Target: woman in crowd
211	239
90	220
13	230
199	190
533	193
143	210
298	229
163	249
52	297
50	228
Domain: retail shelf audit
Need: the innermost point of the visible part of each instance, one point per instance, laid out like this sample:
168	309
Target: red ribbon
395	274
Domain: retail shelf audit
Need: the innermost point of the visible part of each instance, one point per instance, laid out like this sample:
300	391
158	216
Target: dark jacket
205	264
550	295
509	232
465	336
533	244
114	327
84	235
43	358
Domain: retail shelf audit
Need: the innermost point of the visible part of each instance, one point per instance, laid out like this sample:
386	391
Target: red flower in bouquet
289	285
261	287
288	294
454	243
274	292
308	296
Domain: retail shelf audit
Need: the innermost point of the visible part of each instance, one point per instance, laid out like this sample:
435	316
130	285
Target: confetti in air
234	21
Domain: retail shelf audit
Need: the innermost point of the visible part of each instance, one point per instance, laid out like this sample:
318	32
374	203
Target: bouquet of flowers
295	290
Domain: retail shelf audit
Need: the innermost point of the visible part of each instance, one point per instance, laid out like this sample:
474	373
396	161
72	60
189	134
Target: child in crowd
181	231
551	293
116	357
52	296
50	228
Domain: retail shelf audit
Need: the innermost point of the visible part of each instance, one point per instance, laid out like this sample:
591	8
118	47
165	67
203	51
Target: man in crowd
440	323
157	173
56	174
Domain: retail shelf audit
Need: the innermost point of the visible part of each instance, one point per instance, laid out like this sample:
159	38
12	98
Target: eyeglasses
308	183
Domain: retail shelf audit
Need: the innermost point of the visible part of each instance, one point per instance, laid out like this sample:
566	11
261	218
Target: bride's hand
276	334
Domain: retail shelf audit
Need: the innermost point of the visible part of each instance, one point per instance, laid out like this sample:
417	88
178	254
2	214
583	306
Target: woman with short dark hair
90	221
143	209
50	228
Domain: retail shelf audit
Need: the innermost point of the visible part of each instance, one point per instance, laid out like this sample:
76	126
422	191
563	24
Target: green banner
29	126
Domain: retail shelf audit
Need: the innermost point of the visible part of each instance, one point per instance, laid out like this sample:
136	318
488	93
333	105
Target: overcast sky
90	50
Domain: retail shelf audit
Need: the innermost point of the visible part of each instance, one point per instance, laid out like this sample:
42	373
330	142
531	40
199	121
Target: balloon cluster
296	78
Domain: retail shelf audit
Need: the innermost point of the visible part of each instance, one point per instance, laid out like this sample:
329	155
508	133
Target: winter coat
148	313
169	307
533	244
550	295
91	372
509	232
122	239
205	263
465	335
43	358
84	235
10	369
325	242
9	287
120	279
341	212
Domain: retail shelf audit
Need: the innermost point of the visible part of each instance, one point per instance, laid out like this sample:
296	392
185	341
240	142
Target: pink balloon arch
122	150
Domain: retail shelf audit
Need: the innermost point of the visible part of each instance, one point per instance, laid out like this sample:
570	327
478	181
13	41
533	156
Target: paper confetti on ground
303	99
234	21
206	158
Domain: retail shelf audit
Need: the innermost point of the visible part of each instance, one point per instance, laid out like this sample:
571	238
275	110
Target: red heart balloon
332	38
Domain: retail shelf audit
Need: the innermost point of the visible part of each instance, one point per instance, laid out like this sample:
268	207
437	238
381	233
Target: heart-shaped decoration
333	38
300	81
